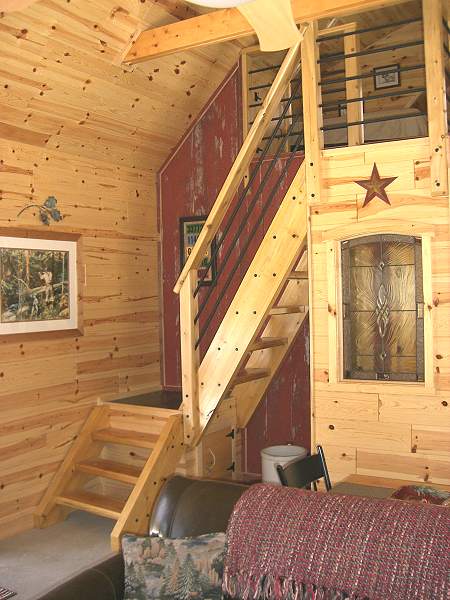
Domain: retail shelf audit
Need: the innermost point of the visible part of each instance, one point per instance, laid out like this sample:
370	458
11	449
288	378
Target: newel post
436	94
312	114
190	356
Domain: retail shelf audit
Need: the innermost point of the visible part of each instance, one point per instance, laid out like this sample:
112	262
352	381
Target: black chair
305	471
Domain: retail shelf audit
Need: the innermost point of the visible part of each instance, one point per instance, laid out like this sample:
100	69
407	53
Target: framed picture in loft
386	77
190	228
38	285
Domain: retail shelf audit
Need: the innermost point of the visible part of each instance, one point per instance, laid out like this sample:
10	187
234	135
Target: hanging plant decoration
47	211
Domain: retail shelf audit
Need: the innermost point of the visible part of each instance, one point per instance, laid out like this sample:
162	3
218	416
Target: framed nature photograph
386	77
190	228
38	285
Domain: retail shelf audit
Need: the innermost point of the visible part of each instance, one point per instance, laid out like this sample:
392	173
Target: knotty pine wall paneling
383	429
76	124
48	384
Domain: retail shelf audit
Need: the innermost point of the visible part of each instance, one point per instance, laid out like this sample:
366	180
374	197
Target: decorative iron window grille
382	288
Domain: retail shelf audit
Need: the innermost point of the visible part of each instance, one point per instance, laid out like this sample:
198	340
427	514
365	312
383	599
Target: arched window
383	336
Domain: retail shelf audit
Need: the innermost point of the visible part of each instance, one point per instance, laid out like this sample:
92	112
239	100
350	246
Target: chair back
305	471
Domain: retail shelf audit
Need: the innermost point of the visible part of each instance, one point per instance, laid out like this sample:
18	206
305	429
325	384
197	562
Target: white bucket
278	455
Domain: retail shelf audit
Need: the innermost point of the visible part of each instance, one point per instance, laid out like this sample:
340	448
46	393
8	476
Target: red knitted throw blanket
290	544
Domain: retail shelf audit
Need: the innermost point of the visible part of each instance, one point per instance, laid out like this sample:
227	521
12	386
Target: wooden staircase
119	461
283	324
259	327
116	467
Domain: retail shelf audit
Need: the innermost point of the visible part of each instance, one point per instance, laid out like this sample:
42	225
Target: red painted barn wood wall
283	415
188	186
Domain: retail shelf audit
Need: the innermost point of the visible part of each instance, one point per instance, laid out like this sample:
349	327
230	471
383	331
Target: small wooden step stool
116	466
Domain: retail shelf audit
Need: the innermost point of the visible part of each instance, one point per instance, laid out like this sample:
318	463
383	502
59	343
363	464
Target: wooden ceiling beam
229	24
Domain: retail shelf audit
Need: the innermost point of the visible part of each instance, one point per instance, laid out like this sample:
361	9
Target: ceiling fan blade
14	5
273	22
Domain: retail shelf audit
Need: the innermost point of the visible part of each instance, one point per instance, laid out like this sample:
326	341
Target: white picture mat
53	325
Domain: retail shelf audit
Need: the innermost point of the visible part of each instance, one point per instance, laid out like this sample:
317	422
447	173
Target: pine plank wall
76	125
381	429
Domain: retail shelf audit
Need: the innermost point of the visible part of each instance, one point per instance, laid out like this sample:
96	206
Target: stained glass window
383	308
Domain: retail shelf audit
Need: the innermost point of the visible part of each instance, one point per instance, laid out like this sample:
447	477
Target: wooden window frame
335	319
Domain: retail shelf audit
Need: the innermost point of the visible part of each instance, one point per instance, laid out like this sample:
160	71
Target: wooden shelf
125	437
287	310
251	375
268	342
93	503
110	469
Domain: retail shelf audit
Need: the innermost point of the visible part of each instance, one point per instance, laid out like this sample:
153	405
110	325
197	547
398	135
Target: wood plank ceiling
62	85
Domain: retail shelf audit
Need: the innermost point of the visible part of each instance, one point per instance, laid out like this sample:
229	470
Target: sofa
185	507
284	543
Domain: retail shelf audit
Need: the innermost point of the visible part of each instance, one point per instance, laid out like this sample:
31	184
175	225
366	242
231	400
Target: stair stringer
48	512
161	463
257	294
248	396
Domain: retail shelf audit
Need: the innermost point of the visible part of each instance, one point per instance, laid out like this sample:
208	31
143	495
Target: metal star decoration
376	186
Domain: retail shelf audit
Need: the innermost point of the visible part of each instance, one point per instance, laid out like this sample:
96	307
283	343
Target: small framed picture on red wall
190	228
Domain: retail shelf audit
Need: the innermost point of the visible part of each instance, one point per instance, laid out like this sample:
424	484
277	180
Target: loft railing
235	223
353	101
372	80
356	75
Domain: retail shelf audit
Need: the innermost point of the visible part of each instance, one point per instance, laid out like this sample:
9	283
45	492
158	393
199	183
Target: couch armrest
187	507
104	581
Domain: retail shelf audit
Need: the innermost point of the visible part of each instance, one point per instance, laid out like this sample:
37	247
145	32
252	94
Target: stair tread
95	503
110	469
250	375
302	275
268	342
286	310
126	437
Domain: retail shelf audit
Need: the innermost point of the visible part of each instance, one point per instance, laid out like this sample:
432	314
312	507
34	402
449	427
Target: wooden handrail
242	162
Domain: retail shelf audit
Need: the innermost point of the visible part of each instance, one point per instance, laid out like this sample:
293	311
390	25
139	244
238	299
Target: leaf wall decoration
48	211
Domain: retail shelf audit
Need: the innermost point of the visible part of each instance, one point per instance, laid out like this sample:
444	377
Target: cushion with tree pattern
179	569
